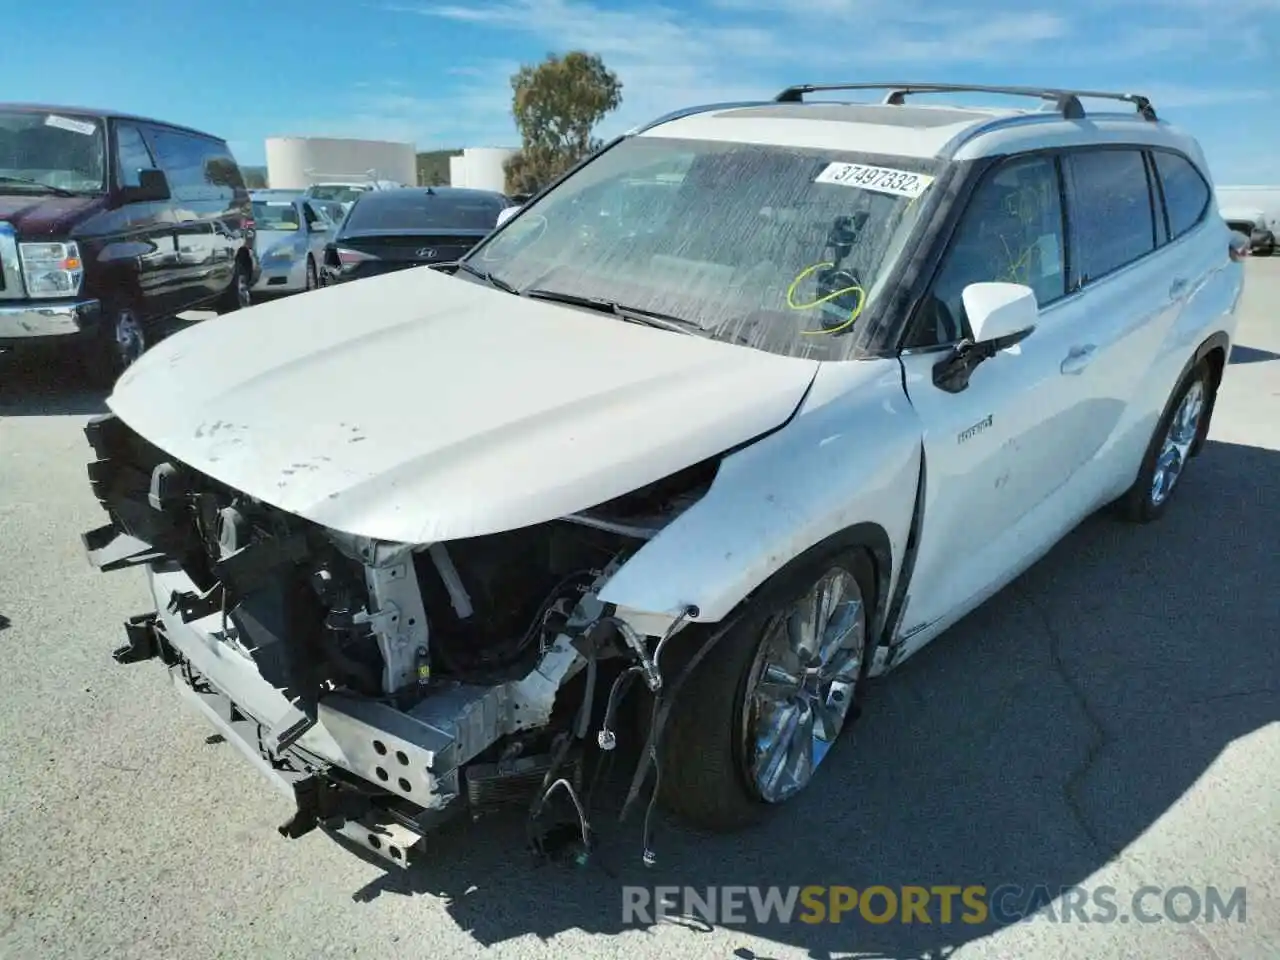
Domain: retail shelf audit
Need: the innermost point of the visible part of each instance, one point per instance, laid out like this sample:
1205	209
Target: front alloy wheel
130	341
802	686
758	715
115	348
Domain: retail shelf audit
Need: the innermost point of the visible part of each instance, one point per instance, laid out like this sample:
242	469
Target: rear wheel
238	295
760	713
1177	437
312	280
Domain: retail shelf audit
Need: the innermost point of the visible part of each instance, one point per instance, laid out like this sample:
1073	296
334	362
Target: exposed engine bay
385	686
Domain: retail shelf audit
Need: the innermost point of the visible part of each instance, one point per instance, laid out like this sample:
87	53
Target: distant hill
433	167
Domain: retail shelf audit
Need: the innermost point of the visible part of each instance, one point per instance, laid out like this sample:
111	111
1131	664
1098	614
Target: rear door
1132	298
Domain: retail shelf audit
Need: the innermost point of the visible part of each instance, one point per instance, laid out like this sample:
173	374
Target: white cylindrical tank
458	171
294	163
480	168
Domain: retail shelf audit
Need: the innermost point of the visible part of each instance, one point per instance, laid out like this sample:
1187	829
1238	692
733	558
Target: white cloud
1181	96
724	50
667	58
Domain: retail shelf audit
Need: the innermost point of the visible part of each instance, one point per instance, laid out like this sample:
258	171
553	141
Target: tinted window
382	210
198	169
1111	210
1186	195
132	155
1010	232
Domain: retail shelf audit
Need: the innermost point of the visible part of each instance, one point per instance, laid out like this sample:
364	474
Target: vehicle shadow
39	384
1241	354
1029	745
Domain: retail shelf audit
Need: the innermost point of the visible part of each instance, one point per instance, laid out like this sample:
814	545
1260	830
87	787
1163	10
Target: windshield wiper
58	191
487	277
649	318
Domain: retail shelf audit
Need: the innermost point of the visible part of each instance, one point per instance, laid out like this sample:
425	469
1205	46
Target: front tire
758	715
312	280
114	348
1177	437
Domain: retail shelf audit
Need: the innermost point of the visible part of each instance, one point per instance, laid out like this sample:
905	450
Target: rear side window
220	167
198	169
1186	195
1111	210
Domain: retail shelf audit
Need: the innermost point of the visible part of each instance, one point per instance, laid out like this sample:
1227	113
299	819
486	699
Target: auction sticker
899	183
66	123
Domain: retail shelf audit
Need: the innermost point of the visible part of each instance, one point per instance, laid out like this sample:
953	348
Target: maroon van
109	223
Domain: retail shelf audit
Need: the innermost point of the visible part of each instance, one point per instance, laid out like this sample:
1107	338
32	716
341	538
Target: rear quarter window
1186	194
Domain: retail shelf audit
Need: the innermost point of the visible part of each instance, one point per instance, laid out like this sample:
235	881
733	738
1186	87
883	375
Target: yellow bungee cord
853	314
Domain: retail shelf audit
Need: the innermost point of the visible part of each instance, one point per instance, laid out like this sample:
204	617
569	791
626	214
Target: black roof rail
1067	102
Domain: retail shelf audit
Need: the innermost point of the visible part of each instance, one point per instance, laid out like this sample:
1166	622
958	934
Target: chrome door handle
1079	358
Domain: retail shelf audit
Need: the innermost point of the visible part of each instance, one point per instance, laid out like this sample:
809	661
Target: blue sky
437	74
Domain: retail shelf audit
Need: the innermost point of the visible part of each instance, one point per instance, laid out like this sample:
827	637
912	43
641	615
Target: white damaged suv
740	413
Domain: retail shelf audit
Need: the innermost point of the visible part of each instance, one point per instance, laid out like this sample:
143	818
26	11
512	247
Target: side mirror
1000	316
505	214
1238	246
152	185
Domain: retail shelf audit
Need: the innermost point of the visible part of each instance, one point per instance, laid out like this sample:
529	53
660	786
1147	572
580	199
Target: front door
999	452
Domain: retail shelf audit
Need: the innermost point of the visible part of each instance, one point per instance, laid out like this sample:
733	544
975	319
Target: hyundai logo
427	253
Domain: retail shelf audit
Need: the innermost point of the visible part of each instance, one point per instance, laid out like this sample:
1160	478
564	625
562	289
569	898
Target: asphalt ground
1108	722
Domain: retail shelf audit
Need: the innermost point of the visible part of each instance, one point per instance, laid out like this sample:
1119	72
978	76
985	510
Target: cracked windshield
780	249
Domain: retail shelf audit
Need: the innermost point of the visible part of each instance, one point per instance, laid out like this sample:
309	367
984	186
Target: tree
557	105
255	178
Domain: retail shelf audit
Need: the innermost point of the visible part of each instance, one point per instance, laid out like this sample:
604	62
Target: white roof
924	131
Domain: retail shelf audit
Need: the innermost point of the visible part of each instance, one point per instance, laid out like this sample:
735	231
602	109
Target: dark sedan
388	230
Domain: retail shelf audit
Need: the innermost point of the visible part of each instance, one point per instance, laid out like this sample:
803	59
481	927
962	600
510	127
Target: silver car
292	232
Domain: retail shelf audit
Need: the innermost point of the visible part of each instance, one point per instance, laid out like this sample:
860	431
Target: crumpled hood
40	214
418	407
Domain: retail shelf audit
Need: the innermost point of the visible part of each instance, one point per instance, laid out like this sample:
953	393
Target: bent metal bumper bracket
317	802
142	641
